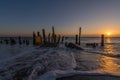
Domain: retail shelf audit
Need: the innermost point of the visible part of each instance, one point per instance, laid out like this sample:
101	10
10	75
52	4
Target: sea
30	60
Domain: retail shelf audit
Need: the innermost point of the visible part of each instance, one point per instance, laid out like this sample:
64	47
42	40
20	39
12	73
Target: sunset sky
22	17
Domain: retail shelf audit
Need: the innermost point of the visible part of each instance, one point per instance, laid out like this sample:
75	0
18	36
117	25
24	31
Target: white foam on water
57	62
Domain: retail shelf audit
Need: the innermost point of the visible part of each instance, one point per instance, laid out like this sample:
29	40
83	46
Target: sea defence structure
46	41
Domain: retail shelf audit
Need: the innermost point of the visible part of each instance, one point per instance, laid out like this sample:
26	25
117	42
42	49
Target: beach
28	62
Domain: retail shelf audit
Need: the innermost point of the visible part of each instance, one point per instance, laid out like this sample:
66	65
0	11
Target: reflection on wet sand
109	64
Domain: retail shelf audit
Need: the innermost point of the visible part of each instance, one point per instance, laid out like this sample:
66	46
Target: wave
101	53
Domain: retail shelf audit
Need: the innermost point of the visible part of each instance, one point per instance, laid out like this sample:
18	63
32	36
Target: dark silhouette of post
44	38
1	42
53	34
23	41
102	40
34	38
62	39
6	41
55	38
38	33
20	41
12	41
49	38
76	39
79	36
27	42
58	39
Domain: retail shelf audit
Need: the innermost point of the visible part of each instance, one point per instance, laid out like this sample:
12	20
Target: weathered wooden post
44	38
27	42
12	41
79	36
19	38
23	41
76	39
53	34
38	33
34	38
38	39
58	39
102	40
55	39
1	42
49	38
62	39
6	41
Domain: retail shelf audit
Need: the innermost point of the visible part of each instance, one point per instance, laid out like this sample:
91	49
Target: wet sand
88	77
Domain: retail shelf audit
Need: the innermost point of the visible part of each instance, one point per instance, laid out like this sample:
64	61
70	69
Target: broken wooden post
74	46
79	36
55	38
76	39
38	39
53	35
34	38
1	42
23	41
44	38
102	40
58	39
19	39
38	33
6	41
49	38
12	41
62	39
27	42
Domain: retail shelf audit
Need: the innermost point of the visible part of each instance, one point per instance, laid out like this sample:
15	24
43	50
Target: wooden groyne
51	39
47	41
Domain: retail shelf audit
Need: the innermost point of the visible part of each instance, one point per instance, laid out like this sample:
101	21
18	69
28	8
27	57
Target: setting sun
108	33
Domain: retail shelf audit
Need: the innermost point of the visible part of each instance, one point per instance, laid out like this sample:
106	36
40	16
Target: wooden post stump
76	39
79	36
44	38
49	38
58	39
102	40
20	41
62	39
53	35
34	38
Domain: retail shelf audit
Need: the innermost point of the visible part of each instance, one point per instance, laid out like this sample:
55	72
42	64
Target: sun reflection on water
109	48
108	63
108	40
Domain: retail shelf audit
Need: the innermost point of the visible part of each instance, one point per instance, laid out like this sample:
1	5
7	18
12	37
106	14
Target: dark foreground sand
88	77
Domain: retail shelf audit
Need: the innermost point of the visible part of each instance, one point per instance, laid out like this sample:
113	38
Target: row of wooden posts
51	39
78	39
12	41
40	40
